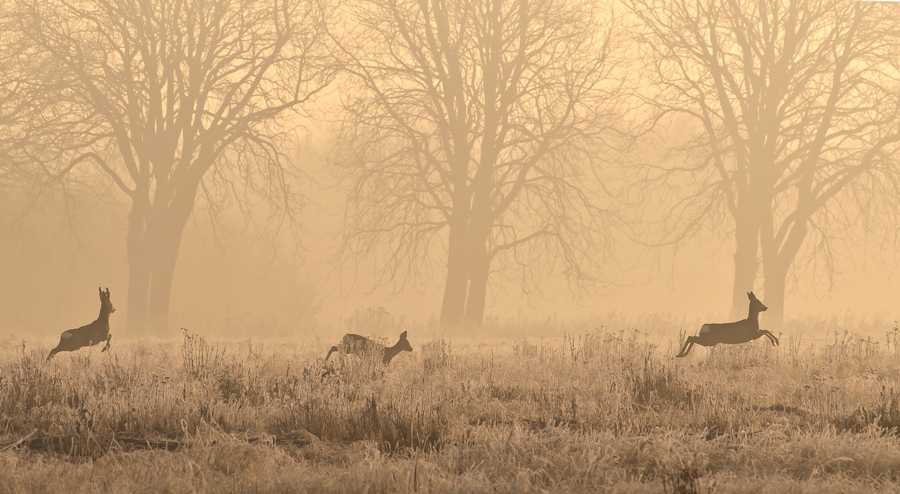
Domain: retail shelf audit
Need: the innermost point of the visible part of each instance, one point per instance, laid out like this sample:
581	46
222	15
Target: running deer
731	333
360	345
92	334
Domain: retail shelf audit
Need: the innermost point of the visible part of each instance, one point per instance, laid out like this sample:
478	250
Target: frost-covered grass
571	407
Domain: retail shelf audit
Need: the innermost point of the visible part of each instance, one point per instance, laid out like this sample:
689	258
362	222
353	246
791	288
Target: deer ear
403	335
101	290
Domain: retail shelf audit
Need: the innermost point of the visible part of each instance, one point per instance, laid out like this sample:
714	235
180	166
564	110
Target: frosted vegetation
572	406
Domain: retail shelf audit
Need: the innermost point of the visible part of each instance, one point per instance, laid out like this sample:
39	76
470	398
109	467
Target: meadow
540	406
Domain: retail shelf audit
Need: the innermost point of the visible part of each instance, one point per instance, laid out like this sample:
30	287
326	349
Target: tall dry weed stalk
200	359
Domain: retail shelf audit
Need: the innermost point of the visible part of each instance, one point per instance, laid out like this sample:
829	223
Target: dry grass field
542	407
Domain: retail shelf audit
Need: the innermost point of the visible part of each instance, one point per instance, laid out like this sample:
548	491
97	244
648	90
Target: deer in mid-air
360	345
731	333
92	334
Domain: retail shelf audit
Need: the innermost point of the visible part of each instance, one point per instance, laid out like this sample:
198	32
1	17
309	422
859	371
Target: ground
540	407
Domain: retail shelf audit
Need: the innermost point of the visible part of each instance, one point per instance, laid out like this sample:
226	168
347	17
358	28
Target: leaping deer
92	334
731	333
355	344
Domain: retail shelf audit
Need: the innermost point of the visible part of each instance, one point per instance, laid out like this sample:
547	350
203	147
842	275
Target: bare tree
796	109
23	97
472	133
177	101
13	104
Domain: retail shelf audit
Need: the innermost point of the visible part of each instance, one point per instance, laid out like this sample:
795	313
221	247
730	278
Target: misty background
267	244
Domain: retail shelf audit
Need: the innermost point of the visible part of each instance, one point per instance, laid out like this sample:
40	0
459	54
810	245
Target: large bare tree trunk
482	217
174	219
139	270
152	270
774	292
479	266
161	283
479	261
154	238
160	295
746	261
453	307
778	256
138	292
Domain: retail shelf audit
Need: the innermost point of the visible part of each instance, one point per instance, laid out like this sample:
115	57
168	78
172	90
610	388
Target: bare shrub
436	355
200	358
656	384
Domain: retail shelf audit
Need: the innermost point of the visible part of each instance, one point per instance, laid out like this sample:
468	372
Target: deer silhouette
355	344
731	333
92	334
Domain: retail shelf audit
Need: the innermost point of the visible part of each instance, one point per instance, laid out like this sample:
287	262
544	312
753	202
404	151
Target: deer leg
686	349
770	336
105	348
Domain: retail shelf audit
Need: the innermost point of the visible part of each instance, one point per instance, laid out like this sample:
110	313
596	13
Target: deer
88	335
355	344
731	333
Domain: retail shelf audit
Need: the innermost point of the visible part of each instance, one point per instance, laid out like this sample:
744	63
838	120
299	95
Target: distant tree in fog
176	102
795	105
469	139
14	107
26	99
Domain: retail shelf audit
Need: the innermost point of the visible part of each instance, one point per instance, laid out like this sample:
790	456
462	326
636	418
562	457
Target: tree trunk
777	259
154	238
161	284
138	292
775	273
454	303
139	270
172	221
482	213
453	307
479	265
478	261
151	268
746	261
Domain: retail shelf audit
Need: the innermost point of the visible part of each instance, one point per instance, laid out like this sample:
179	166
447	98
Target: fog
240	286
302	220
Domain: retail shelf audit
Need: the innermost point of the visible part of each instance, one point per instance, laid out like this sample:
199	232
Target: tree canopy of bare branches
471	140
176	101
24	96
14	107
795	105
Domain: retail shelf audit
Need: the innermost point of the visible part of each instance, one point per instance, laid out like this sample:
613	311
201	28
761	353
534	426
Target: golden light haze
362	152
243	285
